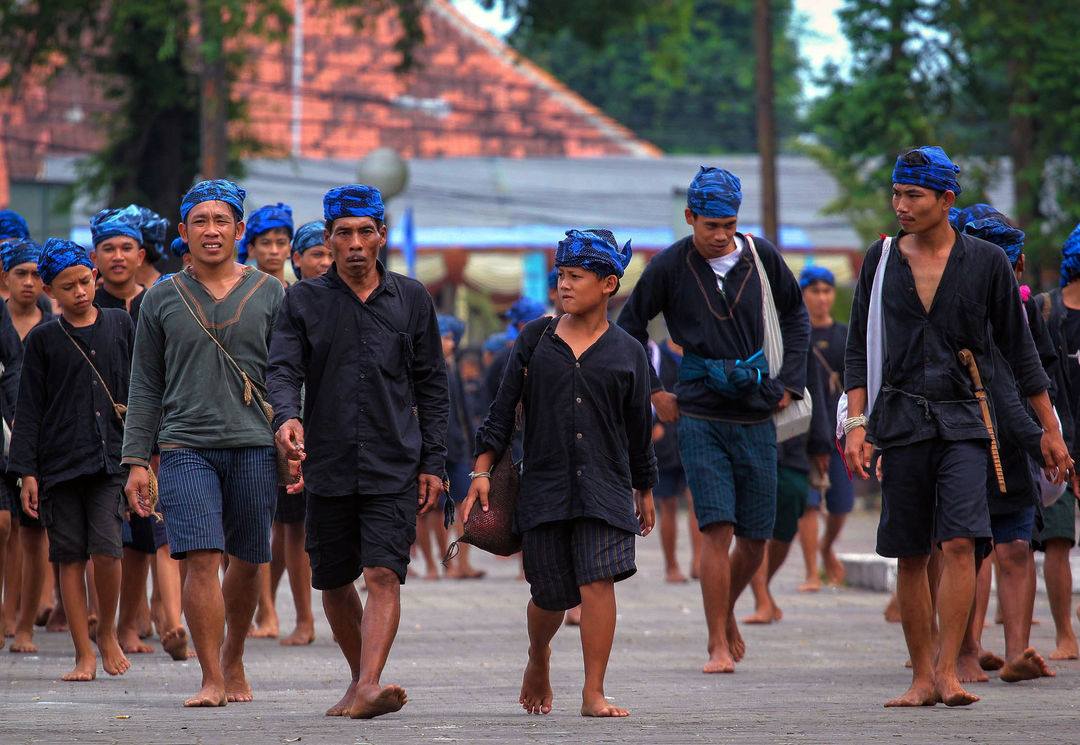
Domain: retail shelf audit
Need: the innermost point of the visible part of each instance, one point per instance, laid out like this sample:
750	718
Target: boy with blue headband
268	238
941	292
710	291
589	466
66	446
311	257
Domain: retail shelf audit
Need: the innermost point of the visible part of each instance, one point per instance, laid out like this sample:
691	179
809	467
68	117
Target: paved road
819	676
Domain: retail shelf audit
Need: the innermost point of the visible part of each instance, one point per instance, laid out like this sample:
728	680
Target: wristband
854	423
480	474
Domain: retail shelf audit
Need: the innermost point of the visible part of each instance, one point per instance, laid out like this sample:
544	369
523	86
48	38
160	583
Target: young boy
117	254
589	467
66	445
311	257
269	239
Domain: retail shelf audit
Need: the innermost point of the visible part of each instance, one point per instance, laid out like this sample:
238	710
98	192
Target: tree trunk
766	126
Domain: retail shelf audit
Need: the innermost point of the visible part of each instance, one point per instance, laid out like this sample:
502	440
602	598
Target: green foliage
680	73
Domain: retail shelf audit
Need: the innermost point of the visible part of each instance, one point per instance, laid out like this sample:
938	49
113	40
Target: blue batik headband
307	235
1000	233
929	167
353	200
815	273
1070	257
19	251
595	250
57	255
215	190
261	220
110	223
12	225
714	192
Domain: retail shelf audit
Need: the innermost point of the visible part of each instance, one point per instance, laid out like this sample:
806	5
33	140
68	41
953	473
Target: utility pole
766	127
214	92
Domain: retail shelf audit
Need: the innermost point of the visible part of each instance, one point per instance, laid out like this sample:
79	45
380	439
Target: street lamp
386	170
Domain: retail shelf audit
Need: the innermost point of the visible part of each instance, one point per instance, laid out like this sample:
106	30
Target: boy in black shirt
66	445
589	467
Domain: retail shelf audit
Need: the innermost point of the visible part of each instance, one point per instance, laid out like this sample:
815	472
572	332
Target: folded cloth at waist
730	378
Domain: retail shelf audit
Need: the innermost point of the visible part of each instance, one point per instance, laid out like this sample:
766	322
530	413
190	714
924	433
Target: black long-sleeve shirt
372	421
825	381
926	392
728	324
11	357
587	426
66	426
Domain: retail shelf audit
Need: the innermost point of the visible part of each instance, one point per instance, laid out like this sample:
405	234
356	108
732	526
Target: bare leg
1058	576
35	565
808	539
987	660
433	522
345	613
5	534
423	541
378	628
12	579
278	562
204	607
266	620
968	665
716	593
241	594
107	578
766	609
695	538
913	596
1022	661
597	635
135	565
173	635
536	694
667	515
51	606
955	596
745	560
299	567
73	587
834	568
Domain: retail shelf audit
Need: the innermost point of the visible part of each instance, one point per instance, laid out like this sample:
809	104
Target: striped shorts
219	500
559	557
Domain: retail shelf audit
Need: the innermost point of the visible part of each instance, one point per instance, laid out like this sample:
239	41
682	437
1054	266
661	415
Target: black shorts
291	508
84	516
912	519
347	534
560	557
9	496
144	534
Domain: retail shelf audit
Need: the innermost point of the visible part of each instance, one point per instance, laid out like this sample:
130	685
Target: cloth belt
730	378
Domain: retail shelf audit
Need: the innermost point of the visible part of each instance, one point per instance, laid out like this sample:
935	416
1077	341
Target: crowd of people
218	428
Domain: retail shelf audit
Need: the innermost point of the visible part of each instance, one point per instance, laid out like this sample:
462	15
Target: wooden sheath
967	359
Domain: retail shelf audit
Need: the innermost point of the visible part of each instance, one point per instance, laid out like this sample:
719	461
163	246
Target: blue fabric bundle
307	235
178	247
933	170
730	378
110	223
215	190
523	311
265	218
452	325
19	251
57	255
1070	257
815	273
353	200
595	250
12	225
714	192
960	218
1000	233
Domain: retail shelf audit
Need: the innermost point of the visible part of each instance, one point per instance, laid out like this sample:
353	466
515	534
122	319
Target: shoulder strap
118	409
773	345
1044	301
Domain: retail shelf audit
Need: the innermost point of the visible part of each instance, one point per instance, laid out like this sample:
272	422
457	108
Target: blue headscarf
57	255
265	218
714	192
19	251
933	170
215	190
451	325
495	342
960	218
353	200
109	223
1000	233
154	229
12	225
553	279
815	273
307	235
164	277
179	247
523	311
595	250
1070	257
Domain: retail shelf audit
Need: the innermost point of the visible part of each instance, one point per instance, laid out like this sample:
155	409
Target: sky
820	41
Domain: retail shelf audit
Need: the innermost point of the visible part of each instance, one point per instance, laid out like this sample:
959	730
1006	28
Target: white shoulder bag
795	419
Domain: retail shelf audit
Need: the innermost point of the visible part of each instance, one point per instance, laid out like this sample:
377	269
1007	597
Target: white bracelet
854	423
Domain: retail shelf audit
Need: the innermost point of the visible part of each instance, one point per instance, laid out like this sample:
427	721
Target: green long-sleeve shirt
184	392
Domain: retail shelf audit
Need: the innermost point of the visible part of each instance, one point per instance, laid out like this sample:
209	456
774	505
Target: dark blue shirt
587	426
11	356
825	381
460	429
373	419
722	325
926	393
66	426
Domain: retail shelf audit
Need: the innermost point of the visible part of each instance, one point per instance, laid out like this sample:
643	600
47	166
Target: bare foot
341	708
372	701
720	661
131	642
764	614
990	661
23	644
237	688
1028	666
695	571
9	627
536	693
267	628
43	615
470	572
834	568
892	610
675	576
85	669
113	659
810	585
300	636
1066	648
735	640
210	695
951	693
922	694
968	669
431	574
597	705
57	622
573	616
174	641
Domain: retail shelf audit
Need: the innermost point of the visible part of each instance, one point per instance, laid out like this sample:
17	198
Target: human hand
429	487
29	495
137	490
857	452
645	510
821	463
666	405
478	490
290	440
1059	464
784	402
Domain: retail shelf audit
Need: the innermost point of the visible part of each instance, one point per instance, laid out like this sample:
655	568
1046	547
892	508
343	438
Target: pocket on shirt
968	326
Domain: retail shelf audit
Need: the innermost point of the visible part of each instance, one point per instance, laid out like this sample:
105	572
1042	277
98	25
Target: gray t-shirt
184	392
